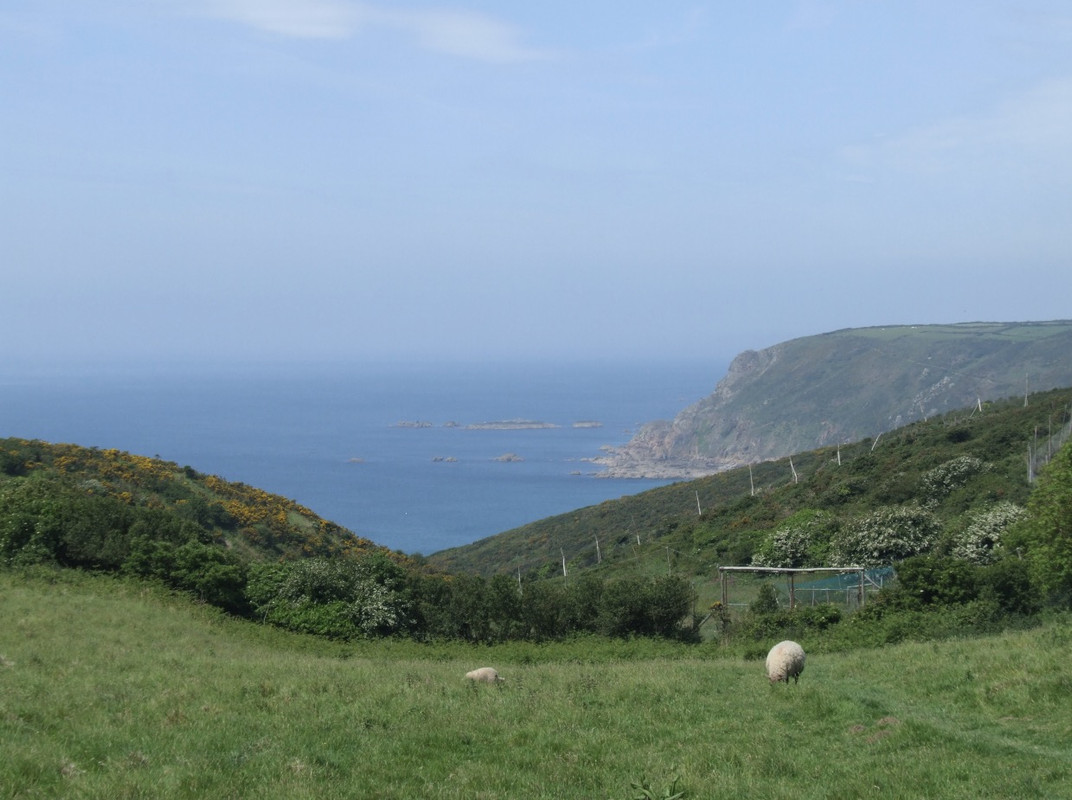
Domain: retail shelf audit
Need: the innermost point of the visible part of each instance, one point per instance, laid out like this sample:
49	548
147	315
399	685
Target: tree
1045	536
31	513
543	610
669	601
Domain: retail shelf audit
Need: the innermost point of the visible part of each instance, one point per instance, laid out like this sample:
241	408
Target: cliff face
845	386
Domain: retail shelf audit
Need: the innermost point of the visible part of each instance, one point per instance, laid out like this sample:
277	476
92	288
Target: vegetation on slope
242	518
725	519
113	691
843	386
946	500
260	555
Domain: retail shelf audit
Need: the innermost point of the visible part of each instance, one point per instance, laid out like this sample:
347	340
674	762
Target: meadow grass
113	690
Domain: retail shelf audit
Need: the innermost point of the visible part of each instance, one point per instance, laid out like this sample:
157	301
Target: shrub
1008	583
937	580
1045	535
802	540
941	481
31	520
341	598
980	541
885	536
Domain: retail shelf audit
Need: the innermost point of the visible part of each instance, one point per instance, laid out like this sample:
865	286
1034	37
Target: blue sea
328	435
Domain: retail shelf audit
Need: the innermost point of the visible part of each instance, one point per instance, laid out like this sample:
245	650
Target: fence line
1040	453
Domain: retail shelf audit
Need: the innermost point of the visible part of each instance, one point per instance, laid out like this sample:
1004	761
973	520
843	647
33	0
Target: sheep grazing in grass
484	675
784	661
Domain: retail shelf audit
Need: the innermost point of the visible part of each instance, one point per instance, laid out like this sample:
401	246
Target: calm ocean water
328	437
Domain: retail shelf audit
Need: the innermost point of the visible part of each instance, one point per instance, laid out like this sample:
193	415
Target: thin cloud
300	19
464	34
459	33
1033	129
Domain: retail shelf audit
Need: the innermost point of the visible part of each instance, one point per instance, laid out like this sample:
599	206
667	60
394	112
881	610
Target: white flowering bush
799	542
887	535
785	547
330	597
377	609
980	541
945	478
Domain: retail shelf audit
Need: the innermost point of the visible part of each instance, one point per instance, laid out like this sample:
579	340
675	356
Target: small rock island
510	425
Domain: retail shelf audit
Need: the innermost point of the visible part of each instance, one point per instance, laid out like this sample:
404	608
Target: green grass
110	690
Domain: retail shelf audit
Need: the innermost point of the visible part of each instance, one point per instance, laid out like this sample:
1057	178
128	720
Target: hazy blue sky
340	179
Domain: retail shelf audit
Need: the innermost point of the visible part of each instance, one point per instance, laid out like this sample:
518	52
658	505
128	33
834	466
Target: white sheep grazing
784	661
484	675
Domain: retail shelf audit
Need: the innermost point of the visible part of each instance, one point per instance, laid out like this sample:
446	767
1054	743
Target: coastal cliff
843	386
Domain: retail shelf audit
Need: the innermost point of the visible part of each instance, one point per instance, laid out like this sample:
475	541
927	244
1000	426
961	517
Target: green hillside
122	487
112	691
843	386
976	544
264	557
739	509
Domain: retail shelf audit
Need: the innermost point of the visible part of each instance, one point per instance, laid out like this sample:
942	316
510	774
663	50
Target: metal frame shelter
791	572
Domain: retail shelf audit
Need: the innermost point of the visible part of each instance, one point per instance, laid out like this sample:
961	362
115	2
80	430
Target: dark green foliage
339	598
927	496
959	434
1008	584
49	521
926	582
30	513
766	601
11	463
1045	537
207	514
667	600
495	610
937	580
766	621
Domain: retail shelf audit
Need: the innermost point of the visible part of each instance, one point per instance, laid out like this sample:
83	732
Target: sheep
484	675
784	661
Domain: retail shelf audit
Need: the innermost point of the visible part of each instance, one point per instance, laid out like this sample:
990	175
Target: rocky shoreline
619	463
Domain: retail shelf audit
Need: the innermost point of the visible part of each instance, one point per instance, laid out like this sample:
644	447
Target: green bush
341	598
1008	583
885	536
802	540
937	580
1045	536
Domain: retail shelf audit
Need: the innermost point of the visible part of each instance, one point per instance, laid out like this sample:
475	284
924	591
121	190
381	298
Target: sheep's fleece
484	674
784	661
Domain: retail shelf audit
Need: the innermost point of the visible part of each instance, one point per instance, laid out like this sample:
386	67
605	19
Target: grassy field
113	691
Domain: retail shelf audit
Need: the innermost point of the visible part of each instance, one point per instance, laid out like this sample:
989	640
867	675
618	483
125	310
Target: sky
339	180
